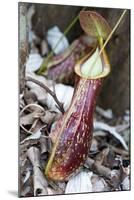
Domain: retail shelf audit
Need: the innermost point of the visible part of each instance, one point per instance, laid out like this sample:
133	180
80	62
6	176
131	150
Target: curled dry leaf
79	183
29	118
54	35
33	63
94	24
112	131
40	183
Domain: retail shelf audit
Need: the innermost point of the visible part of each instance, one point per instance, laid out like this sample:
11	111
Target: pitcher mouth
105	62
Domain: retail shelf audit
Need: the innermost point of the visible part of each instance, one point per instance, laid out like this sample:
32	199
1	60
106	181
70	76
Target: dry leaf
53	36
79	183
43	144
29	118
33	63
40	183
39	92
35	136
112	131
63	92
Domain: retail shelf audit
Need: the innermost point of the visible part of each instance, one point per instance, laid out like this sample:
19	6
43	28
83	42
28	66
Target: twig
119	151
98	168
34	125
60	105
31	105
21	112
23	44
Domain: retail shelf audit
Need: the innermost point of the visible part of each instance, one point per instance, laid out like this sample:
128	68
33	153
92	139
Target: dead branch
119	151
23	44
53	94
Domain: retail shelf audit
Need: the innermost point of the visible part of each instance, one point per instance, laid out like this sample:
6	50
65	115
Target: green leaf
94	24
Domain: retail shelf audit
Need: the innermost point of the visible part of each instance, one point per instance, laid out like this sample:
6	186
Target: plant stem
43	66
